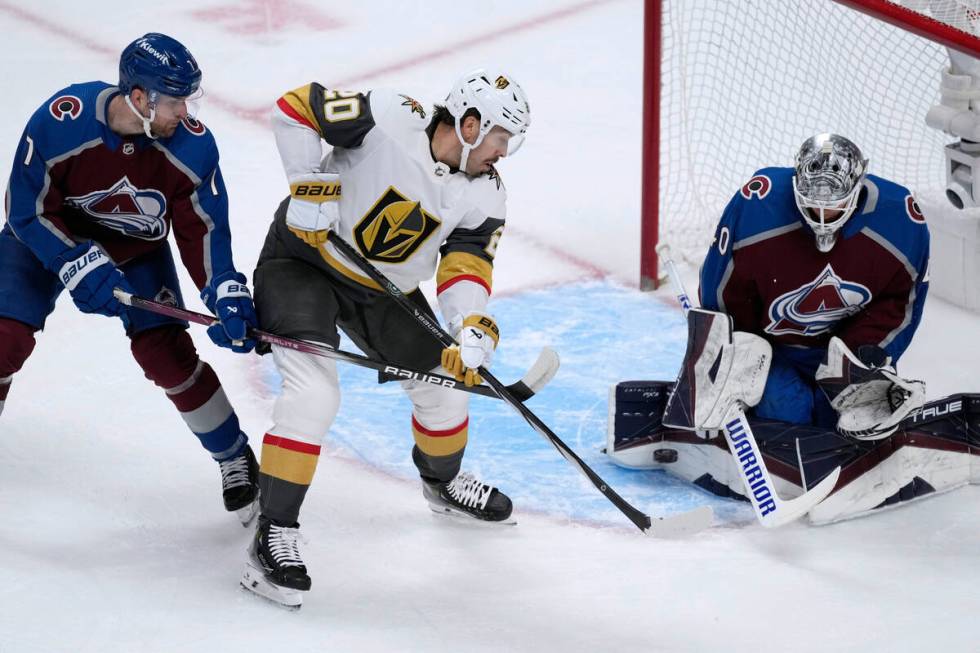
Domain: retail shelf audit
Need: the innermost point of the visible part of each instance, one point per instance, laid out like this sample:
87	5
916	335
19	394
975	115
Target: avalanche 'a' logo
816	307
135	212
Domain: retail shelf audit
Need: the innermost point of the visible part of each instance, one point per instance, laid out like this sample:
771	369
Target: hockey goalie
812	290
889	452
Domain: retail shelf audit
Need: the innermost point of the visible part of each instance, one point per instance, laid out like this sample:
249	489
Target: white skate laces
234	472
469	491
283	544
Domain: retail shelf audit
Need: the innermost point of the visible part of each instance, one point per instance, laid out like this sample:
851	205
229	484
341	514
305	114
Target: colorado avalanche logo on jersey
816	307
759	186
135	212
193	126
913	211
65	106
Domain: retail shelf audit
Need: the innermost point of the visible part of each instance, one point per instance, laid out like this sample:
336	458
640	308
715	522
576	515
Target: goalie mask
501	102
830	170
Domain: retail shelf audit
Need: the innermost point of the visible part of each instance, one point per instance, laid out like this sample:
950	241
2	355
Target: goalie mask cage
731	86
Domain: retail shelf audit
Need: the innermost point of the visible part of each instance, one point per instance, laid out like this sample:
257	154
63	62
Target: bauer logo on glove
474	350
313	207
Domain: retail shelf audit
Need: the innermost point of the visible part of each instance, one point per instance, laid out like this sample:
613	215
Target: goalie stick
769	508
537	376
673	526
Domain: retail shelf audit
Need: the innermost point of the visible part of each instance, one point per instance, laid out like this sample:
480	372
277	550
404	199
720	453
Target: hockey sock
285	475
169	359
438	454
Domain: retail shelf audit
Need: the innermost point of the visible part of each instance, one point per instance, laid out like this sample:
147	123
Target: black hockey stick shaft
640	519
388	371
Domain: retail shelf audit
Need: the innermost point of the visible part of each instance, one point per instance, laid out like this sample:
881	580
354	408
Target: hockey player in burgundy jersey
102	175
820	250
825	268
415	190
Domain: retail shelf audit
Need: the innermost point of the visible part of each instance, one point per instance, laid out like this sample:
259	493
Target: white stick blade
793	509
543	370
681	525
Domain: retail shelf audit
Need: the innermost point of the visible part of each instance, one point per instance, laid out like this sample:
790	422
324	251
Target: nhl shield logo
394	228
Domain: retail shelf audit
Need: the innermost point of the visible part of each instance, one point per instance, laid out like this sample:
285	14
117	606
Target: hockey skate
240	485
467	497
274	569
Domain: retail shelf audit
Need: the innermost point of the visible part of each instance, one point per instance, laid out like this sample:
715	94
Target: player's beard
164	128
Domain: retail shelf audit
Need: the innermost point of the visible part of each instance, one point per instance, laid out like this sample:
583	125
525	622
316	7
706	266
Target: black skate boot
240	485
274	568
467	496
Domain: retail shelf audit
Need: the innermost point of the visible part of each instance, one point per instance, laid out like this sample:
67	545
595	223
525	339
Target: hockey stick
673	526
769	508
537	376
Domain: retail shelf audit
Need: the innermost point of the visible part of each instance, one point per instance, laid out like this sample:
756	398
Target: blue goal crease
604	333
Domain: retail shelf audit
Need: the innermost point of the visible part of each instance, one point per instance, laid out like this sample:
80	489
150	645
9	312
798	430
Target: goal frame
885	10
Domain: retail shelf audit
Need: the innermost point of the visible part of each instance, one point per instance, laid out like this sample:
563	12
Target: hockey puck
665	455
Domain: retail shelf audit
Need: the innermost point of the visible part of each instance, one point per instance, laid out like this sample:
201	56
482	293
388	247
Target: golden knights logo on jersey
413	105
394	228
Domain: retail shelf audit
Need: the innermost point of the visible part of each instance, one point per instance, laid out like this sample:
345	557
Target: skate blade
467	518
247	514
254	581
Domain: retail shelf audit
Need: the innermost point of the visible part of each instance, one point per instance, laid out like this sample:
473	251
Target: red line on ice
259	115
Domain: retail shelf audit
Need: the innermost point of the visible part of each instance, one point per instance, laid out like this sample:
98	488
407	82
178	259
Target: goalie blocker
934	449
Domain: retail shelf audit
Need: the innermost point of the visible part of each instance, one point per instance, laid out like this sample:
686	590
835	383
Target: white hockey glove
870	398
721	367
314	206
477	335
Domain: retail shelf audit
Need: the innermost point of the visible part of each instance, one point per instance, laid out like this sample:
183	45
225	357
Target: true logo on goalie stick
394	228
762	494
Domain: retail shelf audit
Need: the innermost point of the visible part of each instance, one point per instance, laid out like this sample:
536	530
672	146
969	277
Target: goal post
731	86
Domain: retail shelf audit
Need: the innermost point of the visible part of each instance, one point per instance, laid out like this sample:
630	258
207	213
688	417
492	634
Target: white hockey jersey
400	207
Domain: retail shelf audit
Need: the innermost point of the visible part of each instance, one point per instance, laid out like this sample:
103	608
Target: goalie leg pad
720	368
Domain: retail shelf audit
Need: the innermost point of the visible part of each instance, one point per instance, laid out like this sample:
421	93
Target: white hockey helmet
830	171
501	102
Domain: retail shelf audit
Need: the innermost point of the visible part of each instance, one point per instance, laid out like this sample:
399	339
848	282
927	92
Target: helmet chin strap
146	122
464	156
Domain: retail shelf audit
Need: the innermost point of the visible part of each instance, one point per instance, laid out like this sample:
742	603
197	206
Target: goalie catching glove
314	206
477	335
871	400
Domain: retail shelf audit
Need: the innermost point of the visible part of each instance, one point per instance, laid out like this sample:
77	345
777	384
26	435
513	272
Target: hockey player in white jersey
415	190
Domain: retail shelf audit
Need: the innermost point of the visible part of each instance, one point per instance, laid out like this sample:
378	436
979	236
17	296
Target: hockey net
744	82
